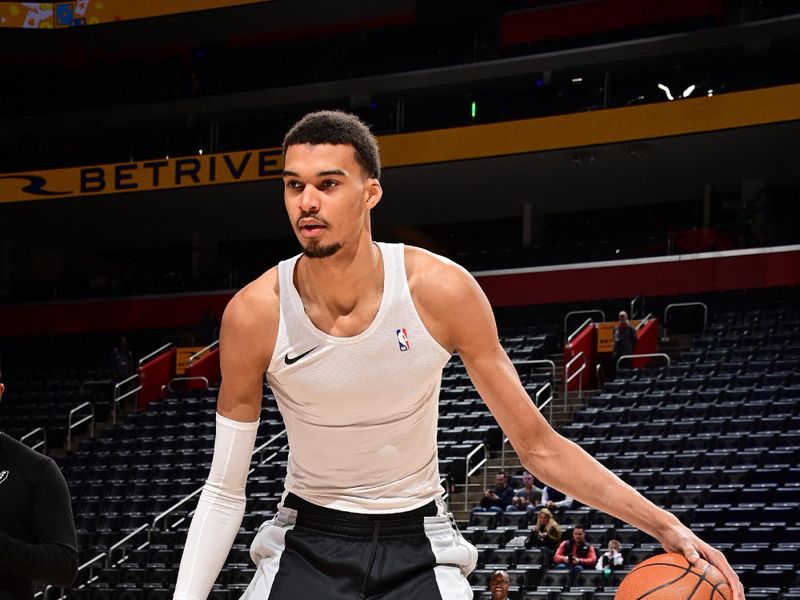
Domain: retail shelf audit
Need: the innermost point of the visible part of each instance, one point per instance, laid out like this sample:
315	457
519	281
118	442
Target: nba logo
402	339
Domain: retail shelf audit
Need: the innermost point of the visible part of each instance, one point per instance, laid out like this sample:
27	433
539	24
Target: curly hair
337	127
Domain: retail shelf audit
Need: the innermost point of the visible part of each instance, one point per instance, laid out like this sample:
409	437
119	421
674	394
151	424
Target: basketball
671	577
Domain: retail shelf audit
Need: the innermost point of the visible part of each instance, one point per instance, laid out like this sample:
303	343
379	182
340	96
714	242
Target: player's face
327	197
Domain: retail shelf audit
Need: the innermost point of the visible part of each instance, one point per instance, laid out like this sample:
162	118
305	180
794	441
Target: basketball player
353	336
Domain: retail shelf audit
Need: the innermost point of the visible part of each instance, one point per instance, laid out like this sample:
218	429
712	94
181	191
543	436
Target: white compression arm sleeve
219	510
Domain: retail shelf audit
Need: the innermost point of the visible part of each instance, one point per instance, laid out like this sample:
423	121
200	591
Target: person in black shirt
37	530
624	339
121	360
498	498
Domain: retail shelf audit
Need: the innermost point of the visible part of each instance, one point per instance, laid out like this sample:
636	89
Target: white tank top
360	412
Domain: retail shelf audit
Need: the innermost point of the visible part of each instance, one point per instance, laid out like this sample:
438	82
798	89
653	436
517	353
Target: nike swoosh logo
291	360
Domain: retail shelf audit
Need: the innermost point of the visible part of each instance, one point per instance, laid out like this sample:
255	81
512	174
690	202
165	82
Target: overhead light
577	79
200	151
686	93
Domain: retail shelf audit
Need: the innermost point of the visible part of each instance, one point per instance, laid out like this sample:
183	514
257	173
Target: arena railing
573	313
47	594
568	377
542	362
121	545
42	442
261	460
108	557
170	388
155	353
469	472
632	311
675	305
212	346
547	403
644	321
81	421
650	355
119	395
91	383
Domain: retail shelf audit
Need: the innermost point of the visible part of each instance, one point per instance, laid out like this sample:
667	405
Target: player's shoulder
429	271
256	303
22	454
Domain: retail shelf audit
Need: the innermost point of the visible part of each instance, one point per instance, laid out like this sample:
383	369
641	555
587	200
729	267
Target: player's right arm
247	338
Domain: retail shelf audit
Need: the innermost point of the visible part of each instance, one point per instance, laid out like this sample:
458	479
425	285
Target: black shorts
307	551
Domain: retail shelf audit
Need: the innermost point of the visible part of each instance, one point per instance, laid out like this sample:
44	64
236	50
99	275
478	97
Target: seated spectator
611	558
526	497
554	500
498	585
575	554
546	534
498	498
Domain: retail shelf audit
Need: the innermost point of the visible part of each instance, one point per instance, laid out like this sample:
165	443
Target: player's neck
339	281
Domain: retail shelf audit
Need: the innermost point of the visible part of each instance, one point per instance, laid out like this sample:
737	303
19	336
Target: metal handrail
652	355
548	402
256	450
125	539
581	312
266	444
445	483
633	304
89	382
155	353
644	321
544	361
535	401
172	508
133	533
468	473
567	377
703	305
88	564
199	353
600	374
194	378
71	425
43	442
118	398
579	329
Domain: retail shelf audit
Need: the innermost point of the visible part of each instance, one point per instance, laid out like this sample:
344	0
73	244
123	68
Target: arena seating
712	437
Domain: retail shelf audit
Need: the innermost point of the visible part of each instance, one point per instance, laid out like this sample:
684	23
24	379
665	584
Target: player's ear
373	191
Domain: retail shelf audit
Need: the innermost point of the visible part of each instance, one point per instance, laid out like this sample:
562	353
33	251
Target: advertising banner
56	15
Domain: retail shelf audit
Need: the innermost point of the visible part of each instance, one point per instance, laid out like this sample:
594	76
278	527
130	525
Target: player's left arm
465	323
